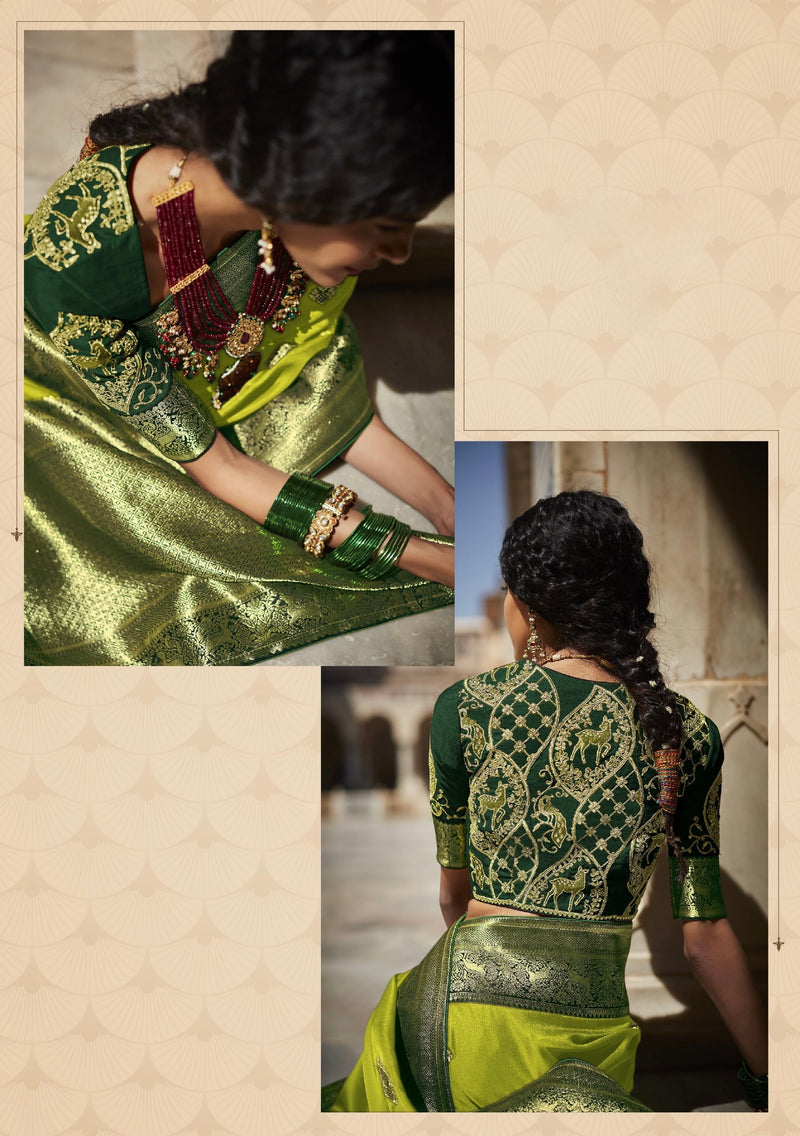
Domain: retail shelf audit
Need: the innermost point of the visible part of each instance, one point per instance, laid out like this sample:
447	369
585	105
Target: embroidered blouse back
545	785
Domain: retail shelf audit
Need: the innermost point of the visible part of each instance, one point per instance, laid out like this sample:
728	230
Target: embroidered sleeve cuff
178	425
700	894
451	843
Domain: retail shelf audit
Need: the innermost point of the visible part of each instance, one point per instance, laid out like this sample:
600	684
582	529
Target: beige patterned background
632	262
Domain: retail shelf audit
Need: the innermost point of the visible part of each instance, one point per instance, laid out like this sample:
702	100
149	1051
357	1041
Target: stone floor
404	320
380	916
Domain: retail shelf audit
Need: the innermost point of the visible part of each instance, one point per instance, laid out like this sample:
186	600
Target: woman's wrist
319	517
444	518
431	561
437	504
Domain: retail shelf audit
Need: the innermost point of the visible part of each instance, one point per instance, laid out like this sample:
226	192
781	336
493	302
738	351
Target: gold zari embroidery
451	843
64	225
536	964
386	1083
123	376
700	894
562	791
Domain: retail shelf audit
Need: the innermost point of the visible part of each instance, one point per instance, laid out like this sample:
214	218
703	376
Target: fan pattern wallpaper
630	263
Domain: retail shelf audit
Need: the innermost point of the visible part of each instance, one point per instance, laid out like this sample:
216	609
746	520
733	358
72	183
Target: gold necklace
561	657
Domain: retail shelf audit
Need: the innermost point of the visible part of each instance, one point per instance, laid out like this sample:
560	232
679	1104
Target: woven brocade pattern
570	1086
551	783
127	560
699	896
531	964
422	998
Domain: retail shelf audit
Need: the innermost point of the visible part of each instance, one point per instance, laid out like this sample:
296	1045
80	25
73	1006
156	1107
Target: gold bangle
326	519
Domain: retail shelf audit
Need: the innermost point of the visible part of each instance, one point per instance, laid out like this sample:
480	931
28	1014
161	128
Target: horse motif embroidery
493	803
600	739
592	743
92	194
75	227
563	885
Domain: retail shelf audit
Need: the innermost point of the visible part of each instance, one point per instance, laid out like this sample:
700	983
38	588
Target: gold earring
265	247
534	649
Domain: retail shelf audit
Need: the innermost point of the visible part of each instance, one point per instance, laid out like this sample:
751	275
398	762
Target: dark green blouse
545	786
87	305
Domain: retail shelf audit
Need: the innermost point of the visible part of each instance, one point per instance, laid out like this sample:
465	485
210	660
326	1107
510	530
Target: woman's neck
569	662
221	215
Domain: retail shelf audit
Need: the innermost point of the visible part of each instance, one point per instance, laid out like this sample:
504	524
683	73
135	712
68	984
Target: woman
184	291
555	781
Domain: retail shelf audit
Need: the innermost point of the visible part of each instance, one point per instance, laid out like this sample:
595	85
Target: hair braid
577	559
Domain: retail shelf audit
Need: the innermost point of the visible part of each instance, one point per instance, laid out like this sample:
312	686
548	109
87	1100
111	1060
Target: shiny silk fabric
505	1014
128	562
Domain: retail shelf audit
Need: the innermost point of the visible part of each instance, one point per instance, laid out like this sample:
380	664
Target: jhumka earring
534	649
265	247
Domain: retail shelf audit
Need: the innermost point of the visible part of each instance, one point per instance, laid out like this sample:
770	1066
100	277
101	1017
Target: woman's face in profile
516	615
331	253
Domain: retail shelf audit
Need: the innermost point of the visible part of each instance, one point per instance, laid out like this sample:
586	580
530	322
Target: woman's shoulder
87	204
488	687
701	737
86	219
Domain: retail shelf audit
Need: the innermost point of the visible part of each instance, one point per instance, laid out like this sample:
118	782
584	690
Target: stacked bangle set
308	511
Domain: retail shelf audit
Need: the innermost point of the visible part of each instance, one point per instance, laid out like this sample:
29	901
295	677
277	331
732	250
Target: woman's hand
251	486
382	456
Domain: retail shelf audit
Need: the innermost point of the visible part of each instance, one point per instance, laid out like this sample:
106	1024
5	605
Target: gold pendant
245	336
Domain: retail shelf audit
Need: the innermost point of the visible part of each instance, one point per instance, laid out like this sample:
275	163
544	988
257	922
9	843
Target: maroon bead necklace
203	321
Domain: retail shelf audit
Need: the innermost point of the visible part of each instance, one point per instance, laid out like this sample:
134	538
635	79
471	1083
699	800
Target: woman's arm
251	486
384	457
719	965
454	893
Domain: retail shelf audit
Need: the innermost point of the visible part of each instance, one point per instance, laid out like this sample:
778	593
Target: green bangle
295	506
389	553
365	540
756	1089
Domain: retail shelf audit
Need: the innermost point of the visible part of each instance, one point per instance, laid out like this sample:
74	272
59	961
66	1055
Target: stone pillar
702	508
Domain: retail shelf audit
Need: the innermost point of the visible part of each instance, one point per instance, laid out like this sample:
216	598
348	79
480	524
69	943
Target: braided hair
577	560
325	127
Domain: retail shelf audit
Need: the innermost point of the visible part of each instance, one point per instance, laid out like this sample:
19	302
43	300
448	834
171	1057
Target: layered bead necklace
203	320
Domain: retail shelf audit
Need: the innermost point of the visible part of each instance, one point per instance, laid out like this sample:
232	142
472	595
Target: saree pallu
504	1014
129	562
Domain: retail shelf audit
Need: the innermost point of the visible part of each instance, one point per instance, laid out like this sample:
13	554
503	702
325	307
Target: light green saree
505	1014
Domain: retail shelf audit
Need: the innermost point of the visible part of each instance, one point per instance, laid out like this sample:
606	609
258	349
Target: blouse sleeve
449	782
699	895
85	285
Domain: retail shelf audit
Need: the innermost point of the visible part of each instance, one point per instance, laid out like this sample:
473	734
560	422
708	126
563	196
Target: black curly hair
325	127
577	560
